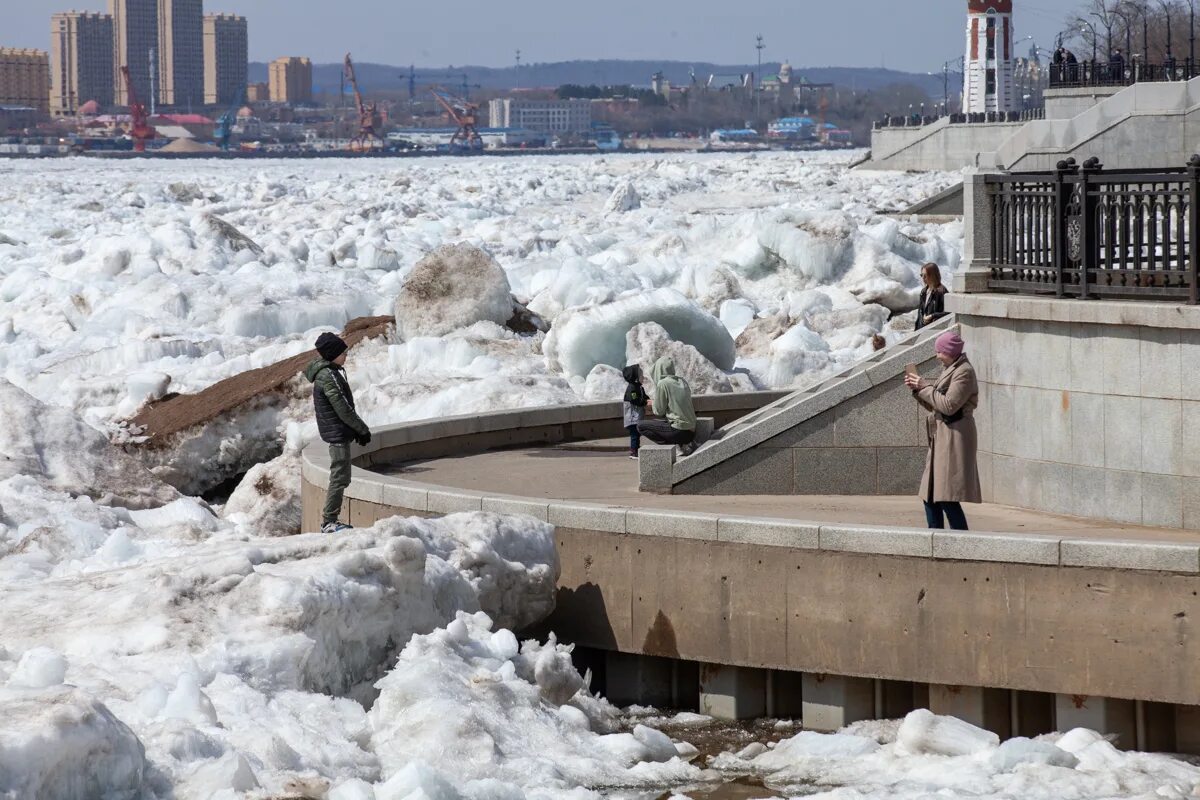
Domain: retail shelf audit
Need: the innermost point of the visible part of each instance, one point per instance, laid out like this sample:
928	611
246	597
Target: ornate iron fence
1121	73
1083	231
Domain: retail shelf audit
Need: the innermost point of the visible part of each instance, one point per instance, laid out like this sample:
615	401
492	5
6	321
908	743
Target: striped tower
988	76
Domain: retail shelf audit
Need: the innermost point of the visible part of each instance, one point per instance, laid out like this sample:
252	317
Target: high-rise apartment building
291	80
135	35
181	53
81	61
258	93
24	78
226	59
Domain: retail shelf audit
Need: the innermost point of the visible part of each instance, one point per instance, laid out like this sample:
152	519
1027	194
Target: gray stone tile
900	469
588	517
978	339
1056	425
1029	407
1006	479
656	463
445	501
680	524
885	416
884	541
1162	435
538	509
1162	501
1123	496
1160	363
773	532
1189	364
1017	548
759	470
815	432
1116	554
1122	349
983	418
1004	421
406	496
1087	359
365	485
1123	433
1189	443
1190	490
1005	352
984	460
1087	429
1089	486
1057	487
836	470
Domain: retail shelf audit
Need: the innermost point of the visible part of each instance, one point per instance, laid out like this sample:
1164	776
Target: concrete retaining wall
1088	407
1068	103
938	146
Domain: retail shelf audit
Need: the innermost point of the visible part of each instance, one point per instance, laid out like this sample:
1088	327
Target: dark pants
660	431
339	479
635	439
936	514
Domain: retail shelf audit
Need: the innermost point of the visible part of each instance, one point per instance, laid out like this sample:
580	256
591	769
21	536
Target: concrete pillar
785	694
894	699
834	701
1187	730
1156	727
1101	714
644	680
977	230
989	709
733	692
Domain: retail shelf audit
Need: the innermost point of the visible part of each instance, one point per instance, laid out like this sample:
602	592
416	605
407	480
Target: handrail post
1193	171
1089	250
1058	224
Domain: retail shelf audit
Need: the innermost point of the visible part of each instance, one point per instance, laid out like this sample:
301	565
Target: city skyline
672	30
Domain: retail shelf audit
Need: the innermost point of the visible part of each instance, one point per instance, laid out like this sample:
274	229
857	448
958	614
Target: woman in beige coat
951	470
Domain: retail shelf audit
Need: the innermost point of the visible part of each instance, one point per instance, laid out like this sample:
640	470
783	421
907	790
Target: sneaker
633	456
334	527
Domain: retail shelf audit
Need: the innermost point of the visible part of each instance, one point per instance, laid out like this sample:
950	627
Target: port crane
140	129
368	115
465	115
461	78
223	133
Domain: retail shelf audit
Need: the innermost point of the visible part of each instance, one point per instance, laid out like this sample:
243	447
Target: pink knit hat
950	344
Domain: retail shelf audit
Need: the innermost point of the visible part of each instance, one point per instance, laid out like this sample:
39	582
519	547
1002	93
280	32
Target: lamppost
1166	7
1092	28
1143	9
1128	32
1107	23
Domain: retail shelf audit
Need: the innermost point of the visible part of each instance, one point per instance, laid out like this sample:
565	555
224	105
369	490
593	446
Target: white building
988	76
546	116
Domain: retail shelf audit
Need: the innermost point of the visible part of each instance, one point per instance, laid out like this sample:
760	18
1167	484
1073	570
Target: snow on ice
158	646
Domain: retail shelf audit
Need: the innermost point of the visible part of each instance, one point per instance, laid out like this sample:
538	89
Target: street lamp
1128	32
1143	9
1107	23
1166	7
1094	37
758	77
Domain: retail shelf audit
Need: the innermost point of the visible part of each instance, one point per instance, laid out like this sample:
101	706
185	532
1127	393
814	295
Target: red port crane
141	131
465	115
368	115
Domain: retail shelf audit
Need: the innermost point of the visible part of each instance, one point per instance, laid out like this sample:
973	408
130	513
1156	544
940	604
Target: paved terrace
600	472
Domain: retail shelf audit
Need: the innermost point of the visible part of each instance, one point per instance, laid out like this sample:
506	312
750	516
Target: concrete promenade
600	472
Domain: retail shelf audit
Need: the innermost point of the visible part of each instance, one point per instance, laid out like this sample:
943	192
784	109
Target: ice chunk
736	315
584	337
604	383
1021	750
623	198
649	341
39	668
925	732
453	287
61	742
267	500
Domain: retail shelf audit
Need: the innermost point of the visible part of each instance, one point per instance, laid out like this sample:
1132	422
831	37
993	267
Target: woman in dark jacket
933	296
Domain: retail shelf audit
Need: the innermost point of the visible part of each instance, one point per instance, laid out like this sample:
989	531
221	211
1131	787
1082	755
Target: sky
914	36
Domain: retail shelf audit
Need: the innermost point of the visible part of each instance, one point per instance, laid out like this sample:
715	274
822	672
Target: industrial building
81	61
546	116
180	53
226	59
135	38
24	78
291	80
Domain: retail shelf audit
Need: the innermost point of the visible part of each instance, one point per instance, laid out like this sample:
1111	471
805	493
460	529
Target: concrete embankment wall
938	146
1088	407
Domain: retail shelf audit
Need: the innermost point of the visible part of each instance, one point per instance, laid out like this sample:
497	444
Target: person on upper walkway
951	475
673	403
337	422
932	305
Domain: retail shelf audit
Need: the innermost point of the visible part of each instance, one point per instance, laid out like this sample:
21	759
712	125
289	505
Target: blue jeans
936	515
635	439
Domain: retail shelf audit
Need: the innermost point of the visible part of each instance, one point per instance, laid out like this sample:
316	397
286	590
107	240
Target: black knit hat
330	346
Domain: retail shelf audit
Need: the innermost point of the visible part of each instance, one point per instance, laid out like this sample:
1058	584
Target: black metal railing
1083	231
1107	73
917	120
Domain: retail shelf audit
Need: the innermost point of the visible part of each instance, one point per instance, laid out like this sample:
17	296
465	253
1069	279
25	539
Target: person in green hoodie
672	401
337	422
